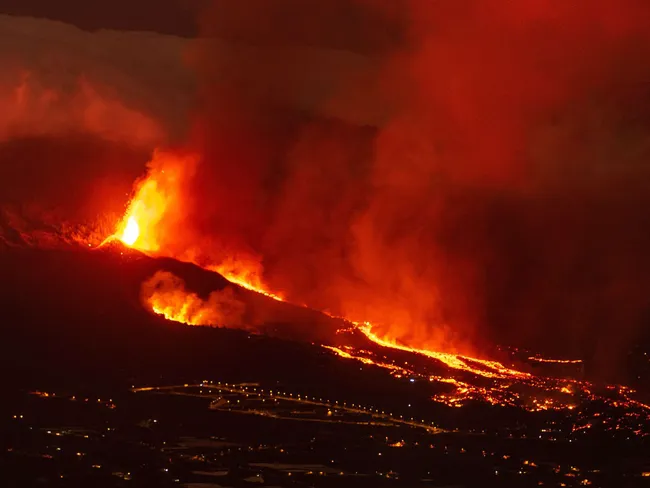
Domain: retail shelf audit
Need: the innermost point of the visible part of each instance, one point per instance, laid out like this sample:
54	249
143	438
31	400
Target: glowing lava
155	215
131	232
539	359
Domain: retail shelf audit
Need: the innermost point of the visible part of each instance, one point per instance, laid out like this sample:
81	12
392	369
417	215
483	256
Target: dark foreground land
96	391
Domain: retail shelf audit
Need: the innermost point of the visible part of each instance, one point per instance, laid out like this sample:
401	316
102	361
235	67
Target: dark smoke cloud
457	171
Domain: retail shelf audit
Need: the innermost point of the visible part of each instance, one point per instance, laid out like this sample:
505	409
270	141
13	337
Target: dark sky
175	17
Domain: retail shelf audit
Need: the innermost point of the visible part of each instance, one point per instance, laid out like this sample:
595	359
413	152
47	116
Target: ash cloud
455	171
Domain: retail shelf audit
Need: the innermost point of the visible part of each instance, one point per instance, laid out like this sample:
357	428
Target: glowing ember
539	359
532	393
481	367
354	355
245	274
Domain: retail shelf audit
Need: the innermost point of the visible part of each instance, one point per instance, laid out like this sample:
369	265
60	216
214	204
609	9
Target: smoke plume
166	294
452	171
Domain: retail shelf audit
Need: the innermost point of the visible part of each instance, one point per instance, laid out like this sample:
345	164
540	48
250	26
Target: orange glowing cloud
165	294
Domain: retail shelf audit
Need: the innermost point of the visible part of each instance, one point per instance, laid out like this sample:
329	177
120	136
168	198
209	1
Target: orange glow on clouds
166	295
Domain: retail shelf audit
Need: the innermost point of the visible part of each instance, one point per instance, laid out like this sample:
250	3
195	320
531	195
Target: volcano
325	244
96	296
75	325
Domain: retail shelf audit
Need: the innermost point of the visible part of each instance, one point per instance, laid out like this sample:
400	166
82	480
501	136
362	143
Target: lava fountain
131	232
155	208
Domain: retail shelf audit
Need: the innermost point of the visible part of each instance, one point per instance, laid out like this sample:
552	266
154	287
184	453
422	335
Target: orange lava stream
532	393
488	369
539	359
240	279
351	355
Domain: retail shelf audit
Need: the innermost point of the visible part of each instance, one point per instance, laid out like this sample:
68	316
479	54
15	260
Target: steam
166	294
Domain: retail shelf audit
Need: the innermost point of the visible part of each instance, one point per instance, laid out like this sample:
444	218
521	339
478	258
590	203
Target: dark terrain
76	341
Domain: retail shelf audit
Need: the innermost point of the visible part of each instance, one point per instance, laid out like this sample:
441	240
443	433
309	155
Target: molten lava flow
532	393
539	359
245	273
154	219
